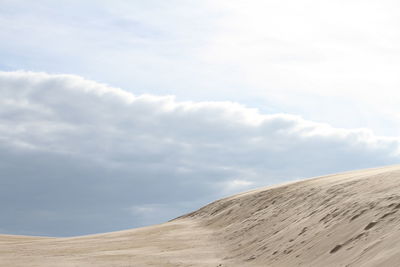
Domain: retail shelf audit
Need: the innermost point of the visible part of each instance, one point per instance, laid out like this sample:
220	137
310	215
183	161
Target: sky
121	114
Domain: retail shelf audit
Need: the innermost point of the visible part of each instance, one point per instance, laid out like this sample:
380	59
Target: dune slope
348	219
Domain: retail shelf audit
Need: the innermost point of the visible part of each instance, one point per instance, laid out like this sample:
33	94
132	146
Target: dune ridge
347	219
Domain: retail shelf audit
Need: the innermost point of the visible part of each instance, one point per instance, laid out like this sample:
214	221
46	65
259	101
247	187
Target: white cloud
235	186
328	61
85	152
331	61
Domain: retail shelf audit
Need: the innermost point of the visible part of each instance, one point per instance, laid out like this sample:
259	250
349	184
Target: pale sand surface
348	219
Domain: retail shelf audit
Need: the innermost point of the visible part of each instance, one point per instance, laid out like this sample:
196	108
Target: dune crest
348	219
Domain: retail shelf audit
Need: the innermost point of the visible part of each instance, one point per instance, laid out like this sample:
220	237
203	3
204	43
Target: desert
345	219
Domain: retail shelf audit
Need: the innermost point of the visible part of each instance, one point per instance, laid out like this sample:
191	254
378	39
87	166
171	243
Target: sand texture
348	219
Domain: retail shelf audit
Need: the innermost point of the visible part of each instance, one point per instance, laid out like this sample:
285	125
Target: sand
348	219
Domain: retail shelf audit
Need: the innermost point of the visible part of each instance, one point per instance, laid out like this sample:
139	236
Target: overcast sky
119	114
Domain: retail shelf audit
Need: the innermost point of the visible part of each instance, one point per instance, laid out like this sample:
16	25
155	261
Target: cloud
77	156
236	185
316	59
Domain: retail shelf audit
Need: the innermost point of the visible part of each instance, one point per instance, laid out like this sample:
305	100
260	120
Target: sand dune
349	219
